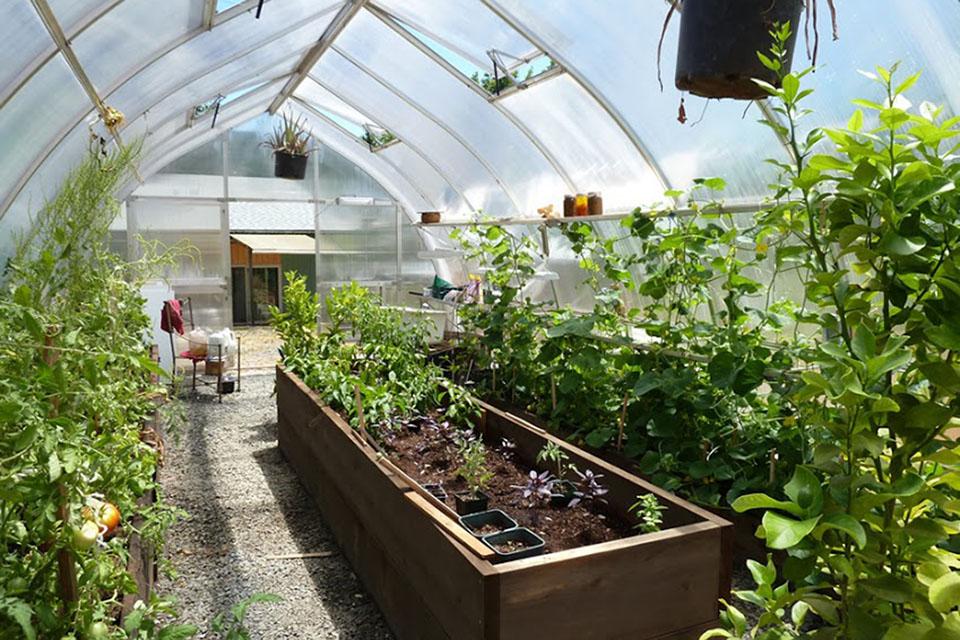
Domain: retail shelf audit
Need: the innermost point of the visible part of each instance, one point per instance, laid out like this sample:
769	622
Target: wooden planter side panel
644	590
421	579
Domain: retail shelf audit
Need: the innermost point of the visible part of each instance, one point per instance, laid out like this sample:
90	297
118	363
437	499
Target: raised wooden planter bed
429	584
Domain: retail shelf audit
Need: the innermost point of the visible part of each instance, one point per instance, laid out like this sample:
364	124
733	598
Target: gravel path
245	503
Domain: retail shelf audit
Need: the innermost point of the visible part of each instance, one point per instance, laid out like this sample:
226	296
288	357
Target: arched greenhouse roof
590	118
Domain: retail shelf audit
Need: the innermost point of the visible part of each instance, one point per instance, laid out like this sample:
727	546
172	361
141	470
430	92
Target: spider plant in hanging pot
289	141
719	41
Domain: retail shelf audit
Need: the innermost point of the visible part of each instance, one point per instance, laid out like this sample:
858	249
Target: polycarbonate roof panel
70	12
441	193
429	139
458	150
22	39
464	26
514	159
318	97
587	142
394	180
44	185
238	73
922	36
616	50
130	34
212	60
34	117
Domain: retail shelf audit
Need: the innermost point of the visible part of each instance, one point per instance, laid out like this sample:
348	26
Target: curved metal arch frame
160	155
308	110
413	146
389	20
186	38
429	115
587	86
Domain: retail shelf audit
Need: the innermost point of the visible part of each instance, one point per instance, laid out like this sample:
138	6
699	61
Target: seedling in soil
539	487
589	488
473	468
648	510
508	449
554	454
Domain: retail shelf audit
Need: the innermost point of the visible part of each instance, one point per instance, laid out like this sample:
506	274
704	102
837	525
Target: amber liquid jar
595	204
581	207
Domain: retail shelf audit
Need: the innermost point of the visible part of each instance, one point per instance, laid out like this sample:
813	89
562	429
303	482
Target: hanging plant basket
719	41
289	165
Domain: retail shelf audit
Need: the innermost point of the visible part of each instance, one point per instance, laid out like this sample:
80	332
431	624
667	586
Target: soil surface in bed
429	457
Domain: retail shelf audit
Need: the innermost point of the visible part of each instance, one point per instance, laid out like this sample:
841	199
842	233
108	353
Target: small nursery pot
437	491
494	517
531	544
467	503
429	217
719	41
288	165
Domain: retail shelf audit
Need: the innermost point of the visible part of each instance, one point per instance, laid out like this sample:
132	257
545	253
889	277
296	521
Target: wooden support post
622	421
66	568
553	394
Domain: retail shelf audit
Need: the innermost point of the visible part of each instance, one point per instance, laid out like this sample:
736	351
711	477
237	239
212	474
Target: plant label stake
360	419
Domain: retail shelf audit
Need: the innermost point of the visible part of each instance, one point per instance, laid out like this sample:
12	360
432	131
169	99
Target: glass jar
595	203
581	206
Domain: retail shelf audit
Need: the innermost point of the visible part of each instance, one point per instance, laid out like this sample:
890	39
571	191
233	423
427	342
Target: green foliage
290	136
554	454
296	325
649	513
506	329
688	407
473	465
868	524
369	348
76	385
377	140
229	625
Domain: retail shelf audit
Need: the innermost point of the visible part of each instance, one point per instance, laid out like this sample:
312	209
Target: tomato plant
76	385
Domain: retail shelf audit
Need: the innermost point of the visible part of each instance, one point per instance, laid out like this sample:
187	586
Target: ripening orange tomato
109	517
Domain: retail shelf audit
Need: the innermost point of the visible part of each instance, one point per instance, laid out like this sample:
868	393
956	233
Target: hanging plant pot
289	165
719	41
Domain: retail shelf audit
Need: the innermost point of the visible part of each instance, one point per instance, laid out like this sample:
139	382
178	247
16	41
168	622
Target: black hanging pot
719	41
289	165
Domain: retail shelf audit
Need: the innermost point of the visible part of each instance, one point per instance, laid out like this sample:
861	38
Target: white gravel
245	503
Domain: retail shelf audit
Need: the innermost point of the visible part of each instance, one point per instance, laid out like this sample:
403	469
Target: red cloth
171	316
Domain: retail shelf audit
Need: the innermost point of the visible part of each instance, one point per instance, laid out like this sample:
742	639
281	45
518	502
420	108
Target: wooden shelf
524	221
731	208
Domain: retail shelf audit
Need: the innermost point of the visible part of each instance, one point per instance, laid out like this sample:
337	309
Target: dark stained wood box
656	586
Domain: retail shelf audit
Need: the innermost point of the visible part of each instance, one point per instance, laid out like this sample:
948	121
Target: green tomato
85	536
98	631
69	638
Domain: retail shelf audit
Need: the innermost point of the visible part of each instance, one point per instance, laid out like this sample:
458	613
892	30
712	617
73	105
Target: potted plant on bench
474	471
